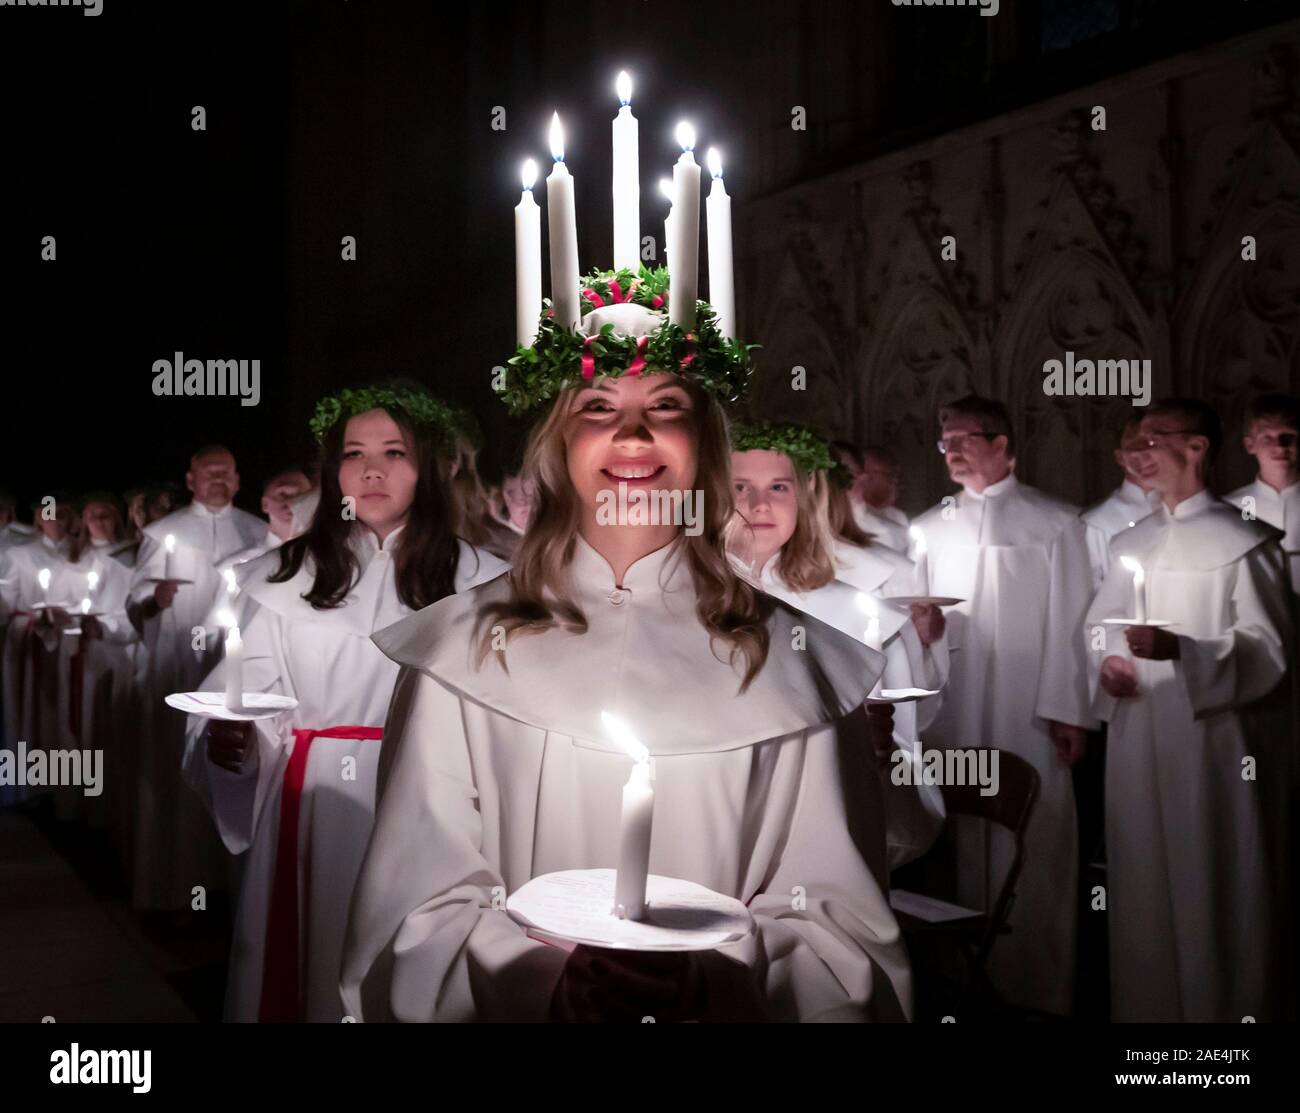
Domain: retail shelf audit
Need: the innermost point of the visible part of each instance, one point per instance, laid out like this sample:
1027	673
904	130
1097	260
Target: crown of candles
631	318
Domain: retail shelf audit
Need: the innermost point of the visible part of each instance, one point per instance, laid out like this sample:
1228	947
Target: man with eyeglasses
1272	436
1019	559
1198	748
1123	508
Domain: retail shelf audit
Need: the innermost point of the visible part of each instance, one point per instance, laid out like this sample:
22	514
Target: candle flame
169	542
43	578
666	188
233	640
867	603
917	534
225	617
232	584
557	138
85	605
92	581
714	159
621	733
1139	573
686	136
528	173
624	86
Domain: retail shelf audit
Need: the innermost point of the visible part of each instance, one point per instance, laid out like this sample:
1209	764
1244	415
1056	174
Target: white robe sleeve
235	800
827	946
1063	691
1247	661
424	941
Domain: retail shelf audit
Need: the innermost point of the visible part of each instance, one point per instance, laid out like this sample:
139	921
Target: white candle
868	604
563	230
684	245
627	182
636	824
666	188
1139	588
722	289
234	670
528	259
92	582
43	578
917	534
169	549
232	583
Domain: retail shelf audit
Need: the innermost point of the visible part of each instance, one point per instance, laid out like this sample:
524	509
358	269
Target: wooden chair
1010	807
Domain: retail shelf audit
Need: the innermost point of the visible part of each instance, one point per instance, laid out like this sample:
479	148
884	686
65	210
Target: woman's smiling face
634	429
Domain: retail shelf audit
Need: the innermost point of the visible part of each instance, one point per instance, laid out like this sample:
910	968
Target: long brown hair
426	552
727	607
807	561
839	513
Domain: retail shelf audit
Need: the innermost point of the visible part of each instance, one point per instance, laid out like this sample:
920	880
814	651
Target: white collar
1189	507
202	511
591	574
366	545
1130	492
1285	492
1009	483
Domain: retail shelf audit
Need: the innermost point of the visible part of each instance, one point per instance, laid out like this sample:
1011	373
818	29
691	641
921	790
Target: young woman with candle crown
299	789
497	767
784	478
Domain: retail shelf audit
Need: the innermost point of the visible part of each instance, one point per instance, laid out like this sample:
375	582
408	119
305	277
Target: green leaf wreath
421	407
810	452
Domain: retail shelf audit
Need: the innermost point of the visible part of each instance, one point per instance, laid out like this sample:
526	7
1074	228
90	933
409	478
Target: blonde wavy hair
807	561
730	609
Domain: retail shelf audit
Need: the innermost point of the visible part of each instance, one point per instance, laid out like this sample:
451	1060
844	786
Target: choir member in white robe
1122	509
876	475
324	658
1272	434
12	531
33	635
175	847
489	778
1019	682
781	531
1195	884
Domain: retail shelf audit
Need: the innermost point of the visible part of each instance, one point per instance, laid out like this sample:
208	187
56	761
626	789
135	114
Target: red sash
281	975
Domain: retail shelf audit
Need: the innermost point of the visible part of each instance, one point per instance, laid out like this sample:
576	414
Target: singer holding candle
1200	743
497	766
297	791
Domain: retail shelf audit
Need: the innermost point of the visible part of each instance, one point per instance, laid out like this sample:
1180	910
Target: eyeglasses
954	444
1154	440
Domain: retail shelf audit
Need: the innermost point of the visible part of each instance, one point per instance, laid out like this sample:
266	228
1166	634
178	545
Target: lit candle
636	825
917	534
234	670
563	229
868	604
85	605
528	259
43	578
722	289
627	182
1139	587
666	188
232	584
684	245
169	550
92	582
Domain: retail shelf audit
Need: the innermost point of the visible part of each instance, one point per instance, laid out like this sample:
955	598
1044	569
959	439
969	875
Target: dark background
369	118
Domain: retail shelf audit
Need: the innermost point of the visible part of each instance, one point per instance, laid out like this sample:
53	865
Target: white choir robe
887	526
1019	559
94	683
32	648
175	848
1281	510
914	812
487	780
1122	509
1196	854
14	534
325	660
